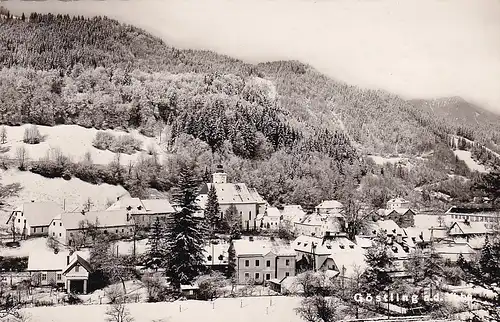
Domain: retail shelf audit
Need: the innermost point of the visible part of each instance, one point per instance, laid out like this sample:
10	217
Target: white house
398	203
144	211
66	226
329	207
259	261
293	214
318	225
247	201
270	219
64	269
33	218
488	216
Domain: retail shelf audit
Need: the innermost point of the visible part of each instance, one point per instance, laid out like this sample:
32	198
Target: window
249	215
59	277
257	263
117	231
268	277
77	268
287	274
54	223
123	230
53	233
268	263
71	234
247	263
34	229
24	220
60	235
287	262
44	277
60	224
247	275
257	276
19	220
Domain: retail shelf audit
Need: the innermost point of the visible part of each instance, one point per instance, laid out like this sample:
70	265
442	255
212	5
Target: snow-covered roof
49	261
230	193
144	206
424	234
273	212
398	200
350	261
329	204
261	247
468	229
108	218
39	213
363	242
388	226
455	248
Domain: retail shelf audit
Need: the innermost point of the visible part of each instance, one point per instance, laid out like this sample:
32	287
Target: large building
33	218
318	225
487	215
247	201
144	211
329	207
69	227
259	261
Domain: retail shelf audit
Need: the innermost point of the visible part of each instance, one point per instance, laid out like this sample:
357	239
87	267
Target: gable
78	261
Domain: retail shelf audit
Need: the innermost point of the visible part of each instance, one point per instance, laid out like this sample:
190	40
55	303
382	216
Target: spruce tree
155	246
231	261
233	222
212	211
3	135
185	232
376	278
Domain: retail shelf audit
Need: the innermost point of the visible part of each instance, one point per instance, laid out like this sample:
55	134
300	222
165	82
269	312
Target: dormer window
298	243
221	257
395	249
329	246
351	246
209	257
129	208
139	207
341	246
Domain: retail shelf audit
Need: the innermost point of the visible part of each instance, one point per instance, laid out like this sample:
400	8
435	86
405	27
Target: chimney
399	238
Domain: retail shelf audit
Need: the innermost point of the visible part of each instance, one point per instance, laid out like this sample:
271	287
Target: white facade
398	203
329	207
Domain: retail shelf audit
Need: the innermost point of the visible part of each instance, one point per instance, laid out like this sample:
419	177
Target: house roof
388	226
469	229
329	204
144	206
273	212
39	213
398	200
293	213
108	218
349	261
454	248
231	193
363	242
49	261
261	248
424	234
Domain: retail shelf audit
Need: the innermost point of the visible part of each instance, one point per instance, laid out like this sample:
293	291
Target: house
70	227
247	201
423	236
293	214
404	217
333	253
398	203
64	269
452	250
479	213
388	227
270	219
33	218
468	230
144	211
259	261
319	225
329	207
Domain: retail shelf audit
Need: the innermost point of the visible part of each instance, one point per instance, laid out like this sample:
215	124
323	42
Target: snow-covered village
242	161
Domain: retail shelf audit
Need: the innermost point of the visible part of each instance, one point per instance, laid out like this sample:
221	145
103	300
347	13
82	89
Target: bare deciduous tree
118	312
318	309
22	157
3	135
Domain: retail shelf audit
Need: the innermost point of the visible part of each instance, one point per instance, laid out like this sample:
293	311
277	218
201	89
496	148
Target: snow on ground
26	247
74	141
221	310
428	221
126	247
382	160
73	193
471	163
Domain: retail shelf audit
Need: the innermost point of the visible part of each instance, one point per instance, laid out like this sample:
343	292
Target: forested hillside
294	134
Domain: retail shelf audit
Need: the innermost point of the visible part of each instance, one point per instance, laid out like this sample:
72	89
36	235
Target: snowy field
221	310
380	160
74	141
26	247
73	193
469	161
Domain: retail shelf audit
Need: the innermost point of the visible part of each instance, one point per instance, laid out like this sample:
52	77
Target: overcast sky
415	48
